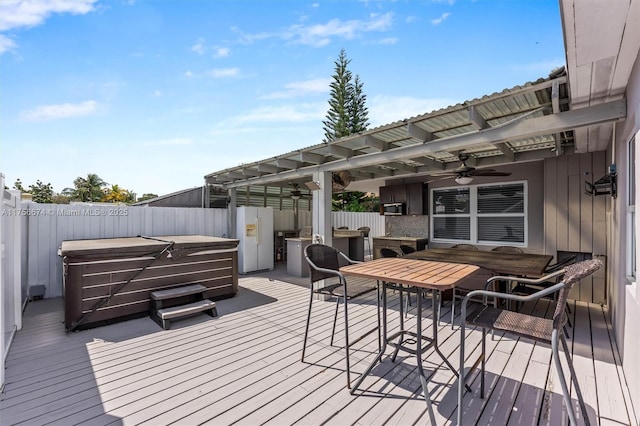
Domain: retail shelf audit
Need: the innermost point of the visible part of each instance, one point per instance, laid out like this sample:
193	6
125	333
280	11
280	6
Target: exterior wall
531	172
573	220
623	292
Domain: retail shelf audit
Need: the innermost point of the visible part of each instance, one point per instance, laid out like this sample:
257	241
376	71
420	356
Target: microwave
393	209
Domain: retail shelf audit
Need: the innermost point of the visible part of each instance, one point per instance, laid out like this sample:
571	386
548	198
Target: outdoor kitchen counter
348	242
107	280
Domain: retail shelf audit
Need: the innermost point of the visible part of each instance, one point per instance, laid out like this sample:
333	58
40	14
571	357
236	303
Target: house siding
573	220
625	300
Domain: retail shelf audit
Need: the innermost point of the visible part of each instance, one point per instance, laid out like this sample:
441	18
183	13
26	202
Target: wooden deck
244	367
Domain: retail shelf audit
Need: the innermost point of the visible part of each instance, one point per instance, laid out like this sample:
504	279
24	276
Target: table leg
423	379
384	340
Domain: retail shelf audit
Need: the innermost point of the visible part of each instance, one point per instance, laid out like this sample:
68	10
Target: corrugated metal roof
529	101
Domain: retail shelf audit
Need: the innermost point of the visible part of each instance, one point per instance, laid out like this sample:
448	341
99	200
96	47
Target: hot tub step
165	315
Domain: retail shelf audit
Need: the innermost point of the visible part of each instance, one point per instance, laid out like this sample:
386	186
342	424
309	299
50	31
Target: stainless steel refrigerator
255	232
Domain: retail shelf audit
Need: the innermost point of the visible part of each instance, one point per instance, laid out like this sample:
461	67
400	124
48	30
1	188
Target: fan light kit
464	174
464	180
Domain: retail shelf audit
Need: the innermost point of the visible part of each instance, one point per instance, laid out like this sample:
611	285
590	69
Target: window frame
631	220
474	215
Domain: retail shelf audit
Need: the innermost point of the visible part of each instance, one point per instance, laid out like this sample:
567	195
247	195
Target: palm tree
87	189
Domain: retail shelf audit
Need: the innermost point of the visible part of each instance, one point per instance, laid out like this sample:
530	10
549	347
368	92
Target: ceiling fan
340	180
464	174
296	194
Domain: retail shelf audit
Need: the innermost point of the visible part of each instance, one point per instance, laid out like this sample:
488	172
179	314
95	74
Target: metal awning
525	123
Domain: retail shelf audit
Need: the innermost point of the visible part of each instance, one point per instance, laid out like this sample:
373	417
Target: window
491	214
631	211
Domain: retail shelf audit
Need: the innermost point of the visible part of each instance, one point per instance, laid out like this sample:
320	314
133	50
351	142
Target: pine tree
347	112
358	111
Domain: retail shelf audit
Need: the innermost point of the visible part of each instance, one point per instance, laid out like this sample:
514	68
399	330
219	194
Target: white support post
322	206
232	211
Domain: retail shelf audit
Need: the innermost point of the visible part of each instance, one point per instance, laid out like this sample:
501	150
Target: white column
232	212
322	206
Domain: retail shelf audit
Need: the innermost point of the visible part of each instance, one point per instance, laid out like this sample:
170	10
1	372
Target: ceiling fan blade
439	177
490	172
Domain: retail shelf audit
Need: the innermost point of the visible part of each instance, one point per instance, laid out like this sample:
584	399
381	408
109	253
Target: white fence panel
50	224
355	220
11	286
284	220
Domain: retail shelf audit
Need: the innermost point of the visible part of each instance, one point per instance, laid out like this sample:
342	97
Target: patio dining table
501	263
417	275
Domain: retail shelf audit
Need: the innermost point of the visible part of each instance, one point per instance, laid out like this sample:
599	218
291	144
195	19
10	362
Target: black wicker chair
324	264
405	249
528	326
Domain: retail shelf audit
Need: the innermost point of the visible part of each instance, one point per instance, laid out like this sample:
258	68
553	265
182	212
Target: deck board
243	367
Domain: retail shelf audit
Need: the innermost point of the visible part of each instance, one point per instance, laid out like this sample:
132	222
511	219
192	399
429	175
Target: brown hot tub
110	279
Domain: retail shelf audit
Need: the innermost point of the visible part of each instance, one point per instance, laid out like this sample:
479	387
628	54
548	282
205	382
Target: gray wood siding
574	220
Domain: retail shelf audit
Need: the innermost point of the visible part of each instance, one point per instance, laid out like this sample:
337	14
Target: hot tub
109	280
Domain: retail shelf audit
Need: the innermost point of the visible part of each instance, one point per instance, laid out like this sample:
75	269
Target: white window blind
491	214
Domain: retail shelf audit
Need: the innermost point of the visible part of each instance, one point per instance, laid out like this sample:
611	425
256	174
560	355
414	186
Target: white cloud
294	113
388	41
157	93
198	47
17	14
188	74
169	142
6	44
221	52
441	19
300	88
318	35
59	111
388	109
224	72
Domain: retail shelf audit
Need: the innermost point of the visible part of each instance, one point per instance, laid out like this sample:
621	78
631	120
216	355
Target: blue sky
153	95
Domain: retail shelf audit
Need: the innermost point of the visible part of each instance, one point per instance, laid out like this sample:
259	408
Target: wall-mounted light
312	185
464	180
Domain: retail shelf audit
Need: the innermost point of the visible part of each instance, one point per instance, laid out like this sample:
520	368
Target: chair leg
346	335
583	407
306	330
453	306
483	361
563	383
335	319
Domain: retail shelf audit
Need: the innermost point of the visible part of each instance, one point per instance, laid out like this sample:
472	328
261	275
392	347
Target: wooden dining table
417	276
500	263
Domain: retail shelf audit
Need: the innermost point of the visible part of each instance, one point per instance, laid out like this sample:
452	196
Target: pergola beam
340	151
419	133
476	119
375	143
519	128
288	164
310	157
268	168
